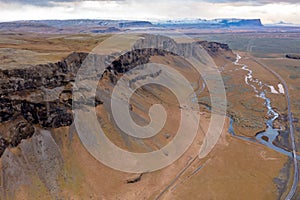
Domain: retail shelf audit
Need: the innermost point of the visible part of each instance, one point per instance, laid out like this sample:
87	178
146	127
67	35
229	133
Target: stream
269	135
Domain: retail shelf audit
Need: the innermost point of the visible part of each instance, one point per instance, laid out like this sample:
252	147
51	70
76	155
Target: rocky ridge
41	95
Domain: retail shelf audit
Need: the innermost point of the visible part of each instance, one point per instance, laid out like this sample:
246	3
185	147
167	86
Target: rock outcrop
293	56
37	95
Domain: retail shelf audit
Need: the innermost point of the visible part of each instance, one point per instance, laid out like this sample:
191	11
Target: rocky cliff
41	95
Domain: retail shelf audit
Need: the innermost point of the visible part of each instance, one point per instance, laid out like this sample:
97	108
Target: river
270	134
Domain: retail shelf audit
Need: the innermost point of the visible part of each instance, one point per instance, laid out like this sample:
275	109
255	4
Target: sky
269	11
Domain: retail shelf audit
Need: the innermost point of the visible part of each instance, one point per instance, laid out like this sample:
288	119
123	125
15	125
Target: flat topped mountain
214	23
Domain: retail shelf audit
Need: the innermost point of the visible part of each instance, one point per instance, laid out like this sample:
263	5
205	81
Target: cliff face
49	75
36	96
41	95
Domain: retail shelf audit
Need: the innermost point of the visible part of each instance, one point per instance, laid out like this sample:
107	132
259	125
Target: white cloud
150	10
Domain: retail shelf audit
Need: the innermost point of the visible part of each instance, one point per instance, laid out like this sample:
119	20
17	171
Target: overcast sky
270	11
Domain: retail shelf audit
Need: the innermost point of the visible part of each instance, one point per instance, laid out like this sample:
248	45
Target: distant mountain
112	26
135	24
282	23
78	23
214	23
74	26
95	22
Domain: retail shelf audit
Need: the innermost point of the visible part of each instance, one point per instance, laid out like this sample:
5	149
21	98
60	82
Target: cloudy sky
270	11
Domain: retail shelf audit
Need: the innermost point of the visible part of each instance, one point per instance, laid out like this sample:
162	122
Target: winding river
269	135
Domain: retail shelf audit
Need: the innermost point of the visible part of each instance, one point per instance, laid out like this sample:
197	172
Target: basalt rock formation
41	95
34	94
